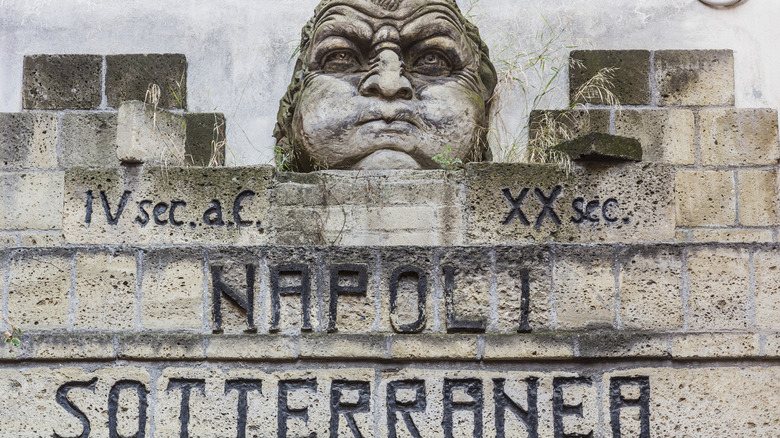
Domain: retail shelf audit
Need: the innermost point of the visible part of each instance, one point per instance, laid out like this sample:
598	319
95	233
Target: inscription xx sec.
584	210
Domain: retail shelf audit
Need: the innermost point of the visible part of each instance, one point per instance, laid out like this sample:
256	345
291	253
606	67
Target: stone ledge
595	203
525	347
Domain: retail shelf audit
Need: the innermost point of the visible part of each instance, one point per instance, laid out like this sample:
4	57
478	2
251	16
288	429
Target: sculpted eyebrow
338	26
441	25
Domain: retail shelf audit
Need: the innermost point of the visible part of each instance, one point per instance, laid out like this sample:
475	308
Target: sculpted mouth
393	126
396	118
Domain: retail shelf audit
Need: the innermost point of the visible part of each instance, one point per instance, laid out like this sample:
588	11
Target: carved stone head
386	84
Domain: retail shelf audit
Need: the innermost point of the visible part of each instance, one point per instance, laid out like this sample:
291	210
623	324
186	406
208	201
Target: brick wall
622	299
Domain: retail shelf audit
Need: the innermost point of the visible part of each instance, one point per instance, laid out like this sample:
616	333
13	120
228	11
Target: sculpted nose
386	79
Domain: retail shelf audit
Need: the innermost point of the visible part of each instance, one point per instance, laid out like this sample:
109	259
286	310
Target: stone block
584	287
631	71
601	202
667	136
173	290
694	77
105	292
511	266
772	349
766	262
738	136
334	346
572	123
433	346
528	347
9	240
623	344
350	303
705	198
31	201
10	352
701	402
206	134
166	206
252	347
719	291
160	346
29	401
298	401
473	395
601	147
43	239
758	199
58	82
365	226
419	306
151	136
88	140
237	276
72	346
294	302
712	345
466	276
735	235
128	77
375	208
39	289
650	280
28	140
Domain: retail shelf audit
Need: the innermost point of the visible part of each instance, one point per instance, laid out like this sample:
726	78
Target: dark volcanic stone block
541	123
54	82
205	138
695	77
128	77
602	147
631	84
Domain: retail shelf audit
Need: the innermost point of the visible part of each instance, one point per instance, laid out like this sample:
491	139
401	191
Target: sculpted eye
433	64
340	61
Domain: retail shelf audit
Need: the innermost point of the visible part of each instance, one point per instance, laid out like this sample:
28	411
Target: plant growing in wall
447	161
533	78
13	335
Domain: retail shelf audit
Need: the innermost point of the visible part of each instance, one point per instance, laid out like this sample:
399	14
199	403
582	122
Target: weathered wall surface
622	299
239	51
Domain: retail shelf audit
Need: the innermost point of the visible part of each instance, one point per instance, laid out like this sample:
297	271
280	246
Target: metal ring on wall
723	4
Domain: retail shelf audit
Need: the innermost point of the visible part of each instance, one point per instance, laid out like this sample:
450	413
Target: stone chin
387	159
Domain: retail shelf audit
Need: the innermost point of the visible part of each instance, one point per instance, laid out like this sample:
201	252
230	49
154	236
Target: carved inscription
169	213
404	409
583	211
295	280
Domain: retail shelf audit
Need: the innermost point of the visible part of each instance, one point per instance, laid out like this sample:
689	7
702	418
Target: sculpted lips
382	126
399	120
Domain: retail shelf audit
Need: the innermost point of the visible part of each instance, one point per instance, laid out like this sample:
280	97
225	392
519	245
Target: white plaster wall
239	50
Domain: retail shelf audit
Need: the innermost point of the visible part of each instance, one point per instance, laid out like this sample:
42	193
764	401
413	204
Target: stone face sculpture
386	84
